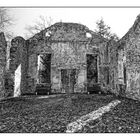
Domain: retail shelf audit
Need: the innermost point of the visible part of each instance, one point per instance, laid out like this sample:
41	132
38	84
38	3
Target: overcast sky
119	19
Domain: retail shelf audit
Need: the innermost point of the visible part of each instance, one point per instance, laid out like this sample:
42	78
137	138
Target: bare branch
5	19
40	24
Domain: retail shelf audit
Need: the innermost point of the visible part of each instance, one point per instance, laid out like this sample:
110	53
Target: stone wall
103	65
113	66
3	47
129	52
118	64
18	56
68	45
108	66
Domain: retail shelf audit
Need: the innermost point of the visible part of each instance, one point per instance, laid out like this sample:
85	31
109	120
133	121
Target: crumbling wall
113	66
130	45
122	73
18	56
108	70
3	48
31	74
68	56
133	69
103	65
35	46
68	45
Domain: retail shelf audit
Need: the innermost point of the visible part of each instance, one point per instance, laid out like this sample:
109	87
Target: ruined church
64	58
71	58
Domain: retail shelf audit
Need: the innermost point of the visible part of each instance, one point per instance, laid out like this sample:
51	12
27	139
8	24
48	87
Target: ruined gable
78	60
129	52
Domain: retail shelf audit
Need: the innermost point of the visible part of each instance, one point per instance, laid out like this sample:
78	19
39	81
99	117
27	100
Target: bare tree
5	19
40	24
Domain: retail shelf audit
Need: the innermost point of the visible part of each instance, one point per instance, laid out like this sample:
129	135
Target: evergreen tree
104	30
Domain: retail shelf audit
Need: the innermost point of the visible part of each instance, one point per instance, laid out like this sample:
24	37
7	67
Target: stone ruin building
64	58
70	58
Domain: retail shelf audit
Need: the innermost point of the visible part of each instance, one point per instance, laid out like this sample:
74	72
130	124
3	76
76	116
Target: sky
119	19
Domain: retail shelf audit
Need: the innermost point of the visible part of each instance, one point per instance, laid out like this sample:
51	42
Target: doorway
92	73
68	80
43	86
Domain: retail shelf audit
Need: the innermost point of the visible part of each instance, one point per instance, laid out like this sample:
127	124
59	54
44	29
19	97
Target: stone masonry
78	55
3	46
77	59
129	62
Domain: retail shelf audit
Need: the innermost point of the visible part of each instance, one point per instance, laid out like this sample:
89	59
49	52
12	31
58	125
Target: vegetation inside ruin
34	115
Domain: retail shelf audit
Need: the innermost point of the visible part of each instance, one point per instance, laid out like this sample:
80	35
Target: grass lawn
45	115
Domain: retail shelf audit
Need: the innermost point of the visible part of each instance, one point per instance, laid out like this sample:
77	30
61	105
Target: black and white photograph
66	69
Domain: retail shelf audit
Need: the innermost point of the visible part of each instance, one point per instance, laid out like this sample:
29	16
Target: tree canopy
105	31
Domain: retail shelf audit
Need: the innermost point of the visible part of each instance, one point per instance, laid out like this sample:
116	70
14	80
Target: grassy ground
48	114
124	118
